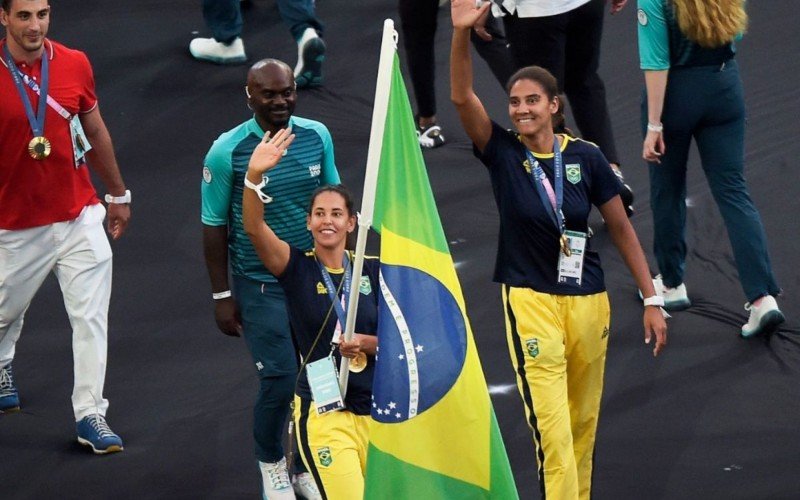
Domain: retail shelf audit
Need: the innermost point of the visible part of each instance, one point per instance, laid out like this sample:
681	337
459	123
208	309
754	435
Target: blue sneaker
9	397
94	431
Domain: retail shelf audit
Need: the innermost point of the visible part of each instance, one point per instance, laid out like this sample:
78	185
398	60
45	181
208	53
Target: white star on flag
419	348
392	405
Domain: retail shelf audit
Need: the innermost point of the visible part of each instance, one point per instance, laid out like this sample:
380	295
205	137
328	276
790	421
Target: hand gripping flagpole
379	111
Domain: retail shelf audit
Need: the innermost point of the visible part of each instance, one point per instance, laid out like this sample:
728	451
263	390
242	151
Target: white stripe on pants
79	254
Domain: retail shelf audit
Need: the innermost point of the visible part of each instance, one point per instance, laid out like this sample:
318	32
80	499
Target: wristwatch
655	300
119	200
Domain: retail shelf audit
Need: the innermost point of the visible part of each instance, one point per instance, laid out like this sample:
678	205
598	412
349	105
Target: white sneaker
675	299
305	486
208	49
310	54
764	318
276	484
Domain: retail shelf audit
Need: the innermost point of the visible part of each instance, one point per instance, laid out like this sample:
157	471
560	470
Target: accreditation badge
324	385
570	263
80	143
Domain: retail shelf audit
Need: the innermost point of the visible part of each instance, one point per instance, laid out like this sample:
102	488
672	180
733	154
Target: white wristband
257	188
221	295
119	200
655	127
655	300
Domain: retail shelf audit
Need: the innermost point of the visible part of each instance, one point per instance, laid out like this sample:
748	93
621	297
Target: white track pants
79	254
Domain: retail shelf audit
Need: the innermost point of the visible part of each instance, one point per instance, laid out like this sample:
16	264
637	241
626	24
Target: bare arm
656	84
273	251
470	109
215	250
627	243
104	163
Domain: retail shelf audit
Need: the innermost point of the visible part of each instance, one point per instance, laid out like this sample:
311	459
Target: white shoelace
278	475
6	382
99	424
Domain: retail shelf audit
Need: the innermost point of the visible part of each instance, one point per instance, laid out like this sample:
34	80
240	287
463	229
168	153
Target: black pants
418	28
568	45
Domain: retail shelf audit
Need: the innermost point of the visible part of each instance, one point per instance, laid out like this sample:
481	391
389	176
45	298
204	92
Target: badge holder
570	260
80	143
324	382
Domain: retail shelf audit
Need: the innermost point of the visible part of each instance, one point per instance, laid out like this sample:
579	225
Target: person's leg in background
584	87
23	269
418	27
224	18
721	145
266	330
668	190
307	30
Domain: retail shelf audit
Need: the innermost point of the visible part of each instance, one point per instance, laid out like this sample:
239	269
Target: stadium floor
714	417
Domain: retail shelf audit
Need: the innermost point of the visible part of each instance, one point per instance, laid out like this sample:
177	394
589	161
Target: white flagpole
379	111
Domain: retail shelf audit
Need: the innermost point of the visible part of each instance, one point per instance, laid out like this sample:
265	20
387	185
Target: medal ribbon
36	121
545	190
339	305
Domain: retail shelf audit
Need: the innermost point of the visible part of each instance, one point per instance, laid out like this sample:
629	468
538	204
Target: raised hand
270	150
465	14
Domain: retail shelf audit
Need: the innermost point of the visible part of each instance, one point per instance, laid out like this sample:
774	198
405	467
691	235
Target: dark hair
334	188
550	85
6	4
536	74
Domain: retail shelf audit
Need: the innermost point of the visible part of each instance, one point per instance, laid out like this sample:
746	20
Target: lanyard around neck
36	120
555	200
338	303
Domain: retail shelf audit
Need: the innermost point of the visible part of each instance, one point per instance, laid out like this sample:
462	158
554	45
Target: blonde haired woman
686	49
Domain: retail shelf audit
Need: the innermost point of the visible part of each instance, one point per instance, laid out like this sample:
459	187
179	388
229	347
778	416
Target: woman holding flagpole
556	306
332	430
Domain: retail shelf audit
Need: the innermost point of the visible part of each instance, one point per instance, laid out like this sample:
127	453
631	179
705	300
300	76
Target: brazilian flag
434	434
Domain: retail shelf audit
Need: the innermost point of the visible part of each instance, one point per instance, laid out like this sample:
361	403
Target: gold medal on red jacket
39	148
359	363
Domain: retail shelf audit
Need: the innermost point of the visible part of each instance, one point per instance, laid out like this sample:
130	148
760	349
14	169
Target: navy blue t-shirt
528	248
308	302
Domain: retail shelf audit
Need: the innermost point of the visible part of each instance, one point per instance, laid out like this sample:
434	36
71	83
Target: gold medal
565	246
39	148
359	363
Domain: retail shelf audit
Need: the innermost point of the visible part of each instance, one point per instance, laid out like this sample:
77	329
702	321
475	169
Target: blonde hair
711	23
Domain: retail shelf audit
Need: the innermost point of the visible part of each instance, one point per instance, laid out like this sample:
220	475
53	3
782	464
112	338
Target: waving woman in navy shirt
333	444
556	306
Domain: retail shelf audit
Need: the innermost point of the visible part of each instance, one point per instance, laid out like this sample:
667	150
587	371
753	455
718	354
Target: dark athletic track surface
714	417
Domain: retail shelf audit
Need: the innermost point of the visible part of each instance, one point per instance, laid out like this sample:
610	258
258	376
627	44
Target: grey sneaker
276	484
305	486
208	49
9	397
764	318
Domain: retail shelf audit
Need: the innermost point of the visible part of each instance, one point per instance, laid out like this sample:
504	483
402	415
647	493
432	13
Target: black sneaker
430	136
626	194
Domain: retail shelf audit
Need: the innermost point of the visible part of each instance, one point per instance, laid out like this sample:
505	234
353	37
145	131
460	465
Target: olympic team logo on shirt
315	170
207	175
573	172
